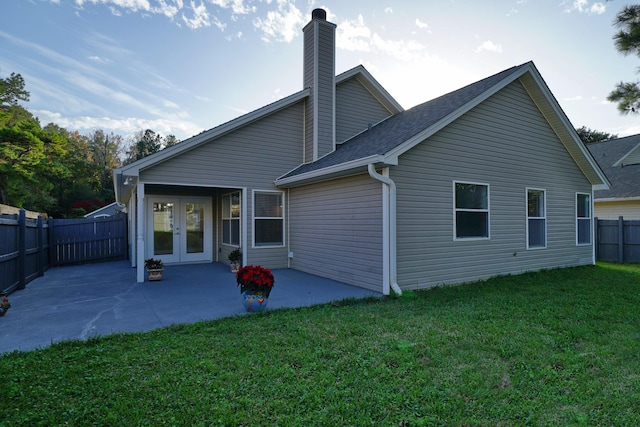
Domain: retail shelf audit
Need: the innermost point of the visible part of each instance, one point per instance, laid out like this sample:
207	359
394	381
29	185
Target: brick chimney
319	76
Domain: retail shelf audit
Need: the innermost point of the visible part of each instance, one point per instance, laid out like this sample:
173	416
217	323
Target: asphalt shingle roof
392	132
625	180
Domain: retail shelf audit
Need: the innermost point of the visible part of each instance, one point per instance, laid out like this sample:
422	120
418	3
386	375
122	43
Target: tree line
63	173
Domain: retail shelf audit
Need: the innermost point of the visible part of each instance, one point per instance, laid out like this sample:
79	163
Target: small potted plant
4	303
154	268
235	257
255	283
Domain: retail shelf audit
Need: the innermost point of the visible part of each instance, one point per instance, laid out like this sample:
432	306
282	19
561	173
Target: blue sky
183	66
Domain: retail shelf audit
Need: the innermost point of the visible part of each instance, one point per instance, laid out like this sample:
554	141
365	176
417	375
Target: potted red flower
255	283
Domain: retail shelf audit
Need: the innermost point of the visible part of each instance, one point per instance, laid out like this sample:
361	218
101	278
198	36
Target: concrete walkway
83	301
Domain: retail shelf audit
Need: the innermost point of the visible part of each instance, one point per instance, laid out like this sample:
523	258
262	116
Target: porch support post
140	246
245	218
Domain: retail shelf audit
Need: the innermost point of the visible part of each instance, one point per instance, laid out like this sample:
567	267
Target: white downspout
140	229
391	226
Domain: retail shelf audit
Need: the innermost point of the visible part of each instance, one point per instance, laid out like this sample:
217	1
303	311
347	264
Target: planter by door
155	275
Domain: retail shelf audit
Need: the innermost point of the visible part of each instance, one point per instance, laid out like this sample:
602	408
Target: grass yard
559	347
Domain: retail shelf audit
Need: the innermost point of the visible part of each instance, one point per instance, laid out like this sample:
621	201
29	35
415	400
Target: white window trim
253	201
544	217
223	218
488	210
590	217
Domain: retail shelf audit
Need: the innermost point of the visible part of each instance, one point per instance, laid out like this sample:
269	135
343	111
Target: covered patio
84	301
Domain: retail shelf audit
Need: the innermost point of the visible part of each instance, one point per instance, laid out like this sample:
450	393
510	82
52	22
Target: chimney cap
319	14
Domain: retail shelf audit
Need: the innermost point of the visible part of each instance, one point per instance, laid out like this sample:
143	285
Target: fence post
596	239
22	250
52	247
40	256
620	239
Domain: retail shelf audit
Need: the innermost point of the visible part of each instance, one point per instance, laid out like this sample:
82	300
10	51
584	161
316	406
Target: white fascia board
319	174
625	156
134	168
618	199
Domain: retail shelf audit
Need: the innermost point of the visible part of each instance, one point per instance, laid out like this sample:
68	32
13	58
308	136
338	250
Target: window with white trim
268	218
583	218
536	218
471	210
231	219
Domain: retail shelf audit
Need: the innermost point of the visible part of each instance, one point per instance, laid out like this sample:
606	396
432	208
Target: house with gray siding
340	181
620	160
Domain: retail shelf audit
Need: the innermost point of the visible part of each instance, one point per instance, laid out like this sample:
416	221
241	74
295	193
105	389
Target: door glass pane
163	228
195	227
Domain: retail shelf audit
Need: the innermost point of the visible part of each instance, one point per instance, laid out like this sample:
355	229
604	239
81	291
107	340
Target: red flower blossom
255	278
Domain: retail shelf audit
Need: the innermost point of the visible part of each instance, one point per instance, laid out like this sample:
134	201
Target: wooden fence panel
77	241
23	250
29	246
617	240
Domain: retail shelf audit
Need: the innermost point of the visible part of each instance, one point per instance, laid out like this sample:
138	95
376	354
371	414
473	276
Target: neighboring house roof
108	210
384	142
124	178
616	158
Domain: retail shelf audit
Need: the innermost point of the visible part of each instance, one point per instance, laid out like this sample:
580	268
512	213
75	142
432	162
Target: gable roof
624	177
384	142
125	177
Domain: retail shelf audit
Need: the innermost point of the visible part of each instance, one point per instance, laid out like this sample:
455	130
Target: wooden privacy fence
77	241
28	247
617	240
23	250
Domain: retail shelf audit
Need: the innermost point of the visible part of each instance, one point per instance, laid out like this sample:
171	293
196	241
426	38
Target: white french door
179	229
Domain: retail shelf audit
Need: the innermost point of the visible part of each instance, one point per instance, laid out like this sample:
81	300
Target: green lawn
559	347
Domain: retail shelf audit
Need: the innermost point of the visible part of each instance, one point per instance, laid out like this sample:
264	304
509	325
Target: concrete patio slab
79	302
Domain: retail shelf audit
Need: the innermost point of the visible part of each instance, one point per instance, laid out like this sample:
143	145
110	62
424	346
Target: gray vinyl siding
356	108
336	230
309	67
613	210
506	143
320	76
251	157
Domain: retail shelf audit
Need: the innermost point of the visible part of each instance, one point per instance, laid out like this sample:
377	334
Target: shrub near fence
617	240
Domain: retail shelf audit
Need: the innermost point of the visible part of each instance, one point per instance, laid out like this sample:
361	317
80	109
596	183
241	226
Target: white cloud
200	17
388	10
421	24
121	126
356	36
237	6
282	24
98	59
573	98
133	5
585	6
489	46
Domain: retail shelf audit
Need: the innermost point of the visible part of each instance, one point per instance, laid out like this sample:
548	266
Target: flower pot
254	301
235	266
155	275
4	303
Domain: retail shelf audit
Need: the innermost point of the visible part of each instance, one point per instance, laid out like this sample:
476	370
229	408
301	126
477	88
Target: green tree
627	41
105	155
170	140
12	90
589	136
144	143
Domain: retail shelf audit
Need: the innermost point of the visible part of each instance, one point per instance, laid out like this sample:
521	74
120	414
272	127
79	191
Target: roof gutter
389	233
